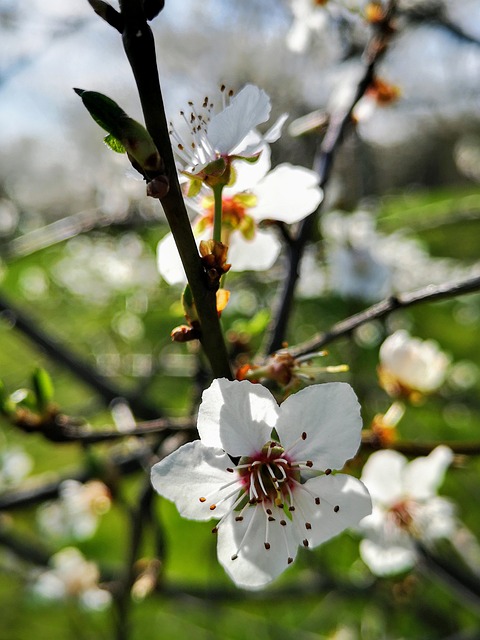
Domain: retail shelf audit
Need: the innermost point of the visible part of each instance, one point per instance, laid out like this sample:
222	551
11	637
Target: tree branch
140	50
323	163
429	293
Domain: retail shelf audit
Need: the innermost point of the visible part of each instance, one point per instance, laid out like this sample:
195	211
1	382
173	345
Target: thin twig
431	293
323	163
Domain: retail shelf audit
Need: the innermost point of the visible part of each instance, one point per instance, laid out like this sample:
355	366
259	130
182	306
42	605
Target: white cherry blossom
72	576
405	508
76	513
288	193
225	134
266	472
411	365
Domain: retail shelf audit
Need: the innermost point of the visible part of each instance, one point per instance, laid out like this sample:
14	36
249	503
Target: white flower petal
423	476
256	566
258	254
169	263
386	559
275	131
288	193
249	174
330	416
236	416
383	476
249	108
342	491
192	472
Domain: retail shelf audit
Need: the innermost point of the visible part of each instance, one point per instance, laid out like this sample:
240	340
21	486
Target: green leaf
114	144
124	132
43	387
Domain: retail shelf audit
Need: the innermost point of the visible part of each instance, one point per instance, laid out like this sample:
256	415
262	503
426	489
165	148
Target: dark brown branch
107	13
140	50
431	293
323	163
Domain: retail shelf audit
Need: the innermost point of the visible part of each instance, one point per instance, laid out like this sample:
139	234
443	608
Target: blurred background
80	295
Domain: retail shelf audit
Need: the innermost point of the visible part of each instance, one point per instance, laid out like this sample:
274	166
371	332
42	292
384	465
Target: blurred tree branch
323	164
82	370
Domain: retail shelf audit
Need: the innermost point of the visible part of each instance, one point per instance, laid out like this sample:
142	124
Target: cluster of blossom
252	193
268	472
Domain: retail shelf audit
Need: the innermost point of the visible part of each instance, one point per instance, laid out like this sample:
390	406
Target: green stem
217	220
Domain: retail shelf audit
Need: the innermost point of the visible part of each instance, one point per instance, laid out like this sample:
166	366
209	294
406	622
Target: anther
215	530
234	557
266	545
328	472
291	508
305	543
309	463
271	519
290	560
269	512
336	508
283	523
239	519
229	470
304	435
202	499
222	88
308	526
317	500
213	507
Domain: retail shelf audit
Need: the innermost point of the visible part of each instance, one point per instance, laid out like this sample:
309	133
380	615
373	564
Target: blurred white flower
15	465
76	513
287	193
271	502
405	508
355	267
410	365
71	576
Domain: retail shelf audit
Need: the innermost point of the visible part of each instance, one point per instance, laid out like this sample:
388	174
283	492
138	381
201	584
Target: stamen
247	531
302	438
336	508
260	481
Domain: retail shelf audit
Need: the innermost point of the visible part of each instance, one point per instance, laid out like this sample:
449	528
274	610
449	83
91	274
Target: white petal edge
424	475
192	472
385	560
258	254
383	476
330	416
169	263
249	108
344	501
288	193
256	566
236	416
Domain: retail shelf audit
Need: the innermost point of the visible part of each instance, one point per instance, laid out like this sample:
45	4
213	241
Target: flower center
401	514
234	216
269	476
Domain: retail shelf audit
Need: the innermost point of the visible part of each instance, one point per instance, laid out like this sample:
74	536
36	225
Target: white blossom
226	133
288	194
405	508
71	576
266	506
411	365
76	513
